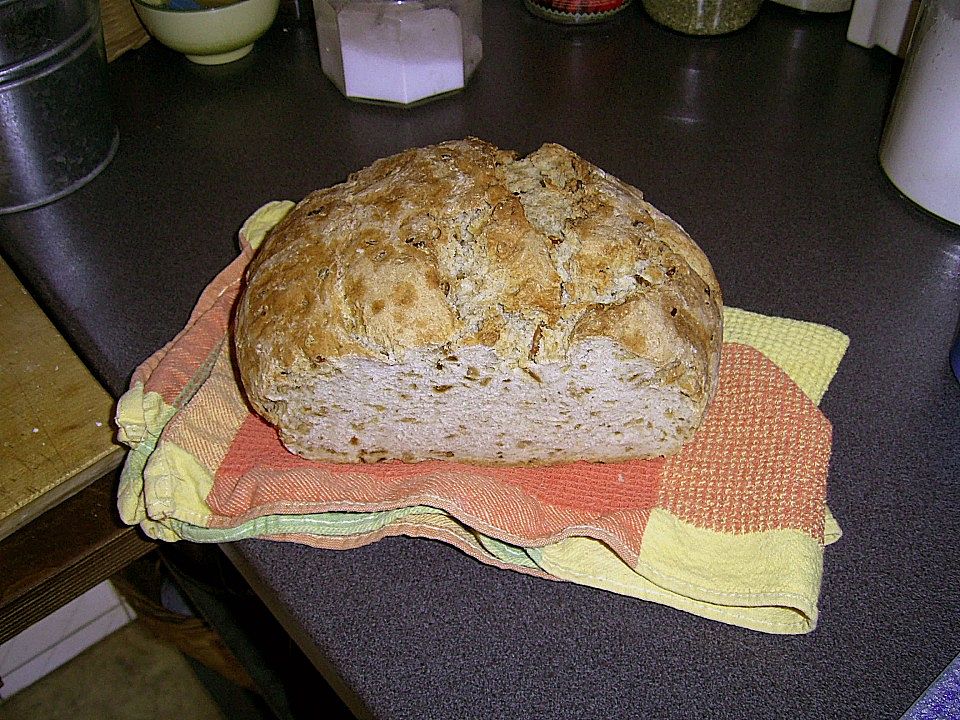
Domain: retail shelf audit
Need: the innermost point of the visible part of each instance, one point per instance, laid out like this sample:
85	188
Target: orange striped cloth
758	463
756	469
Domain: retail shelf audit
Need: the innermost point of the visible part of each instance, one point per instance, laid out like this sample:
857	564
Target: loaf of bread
458	302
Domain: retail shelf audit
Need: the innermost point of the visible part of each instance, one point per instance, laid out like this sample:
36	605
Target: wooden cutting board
56	432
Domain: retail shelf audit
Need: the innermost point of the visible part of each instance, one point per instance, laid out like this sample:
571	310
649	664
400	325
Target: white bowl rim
194	11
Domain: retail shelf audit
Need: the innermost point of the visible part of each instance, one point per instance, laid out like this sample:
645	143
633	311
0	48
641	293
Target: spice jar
702	17
576	12
399	51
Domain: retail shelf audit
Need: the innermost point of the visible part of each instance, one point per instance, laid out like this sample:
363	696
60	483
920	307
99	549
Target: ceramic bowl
210	35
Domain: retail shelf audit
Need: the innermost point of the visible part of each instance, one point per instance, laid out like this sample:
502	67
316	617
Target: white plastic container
883	23
399	51
920	148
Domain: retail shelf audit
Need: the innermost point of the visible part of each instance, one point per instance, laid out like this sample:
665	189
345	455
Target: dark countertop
763	145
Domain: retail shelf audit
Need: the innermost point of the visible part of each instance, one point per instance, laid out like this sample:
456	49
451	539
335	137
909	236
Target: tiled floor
60	636
95	658
129	674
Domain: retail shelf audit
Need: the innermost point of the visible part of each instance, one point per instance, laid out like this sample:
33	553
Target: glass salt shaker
400	52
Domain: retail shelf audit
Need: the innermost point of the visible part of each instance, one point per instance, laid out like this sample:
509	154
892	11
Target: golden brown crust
462	244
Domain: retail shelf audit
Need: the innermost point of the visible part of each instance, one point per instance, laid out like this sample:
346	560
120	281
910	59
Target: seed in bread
459	302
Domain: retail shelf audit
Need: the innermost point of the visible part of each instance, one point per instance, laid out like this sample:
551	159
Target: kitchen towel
732	528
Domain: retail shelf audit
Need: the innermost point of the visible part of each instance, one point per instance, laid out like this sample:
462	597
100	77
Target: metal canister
56	123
